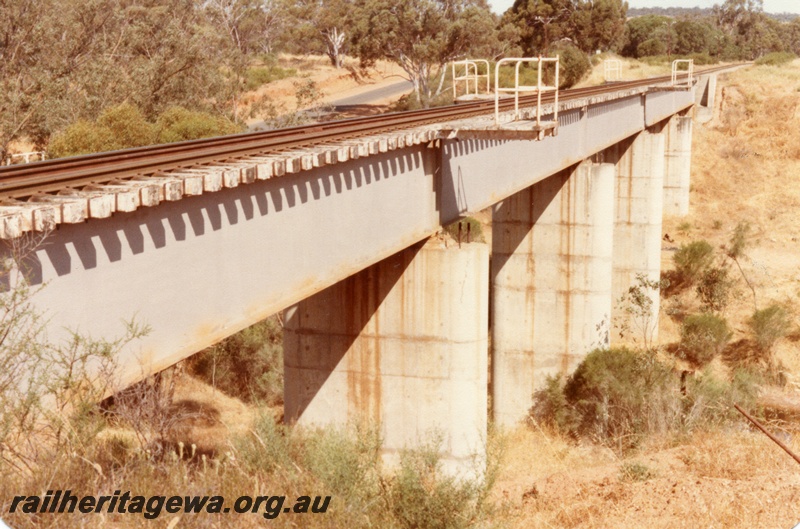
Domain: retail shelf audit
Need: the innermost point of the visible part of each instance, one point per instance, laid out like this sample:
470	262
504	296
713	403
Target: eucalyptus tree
588	24
66	60
423	36
324	26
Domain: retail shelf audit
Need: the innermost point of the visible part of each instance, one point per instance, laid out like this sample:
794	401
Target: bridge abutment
678	165
551	279
638	211
402	345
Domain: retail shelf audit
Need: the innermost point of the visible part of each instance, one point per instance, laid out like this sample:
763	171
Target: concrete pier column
678	166
402	344
711	92
707	100
551	280
638	210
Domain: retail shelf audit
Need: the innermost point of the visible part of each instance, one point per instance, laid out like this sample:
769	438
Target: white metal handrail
689	71
470	64
517	89
612	70
26	156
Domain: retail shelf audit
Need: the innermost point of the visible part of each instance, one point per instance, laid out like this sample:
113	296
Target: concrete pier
678	165
402	344
638	210
707	99
551	279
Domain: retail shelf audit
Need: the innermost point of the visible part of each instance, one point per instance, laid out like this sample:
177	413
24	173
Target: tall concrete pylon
638	212
551	282
678	165
402	345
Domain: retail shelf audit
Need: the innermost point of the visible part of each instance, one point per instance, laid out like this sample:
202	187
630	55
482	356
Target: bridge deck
231	244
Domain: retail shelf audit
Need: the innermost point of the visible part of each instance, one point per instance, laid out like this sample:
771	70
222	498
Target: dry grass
630	70
745	167
714	479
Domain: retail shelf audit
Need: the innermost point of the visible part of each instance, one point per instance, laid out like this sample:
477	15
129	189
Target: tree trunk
335	42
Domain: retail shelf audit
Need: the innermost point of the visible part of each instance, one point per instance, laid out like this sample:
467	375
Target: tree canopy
423	36
589	24
65	62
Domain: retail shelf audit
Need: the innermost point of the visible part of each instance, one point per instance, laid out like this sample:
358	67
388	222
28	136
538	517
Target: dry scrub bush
47	390
421	495
691	261
125	126
619	397
776	58
271	459
160	424
346	463
715	289
768	326
703	338
637	303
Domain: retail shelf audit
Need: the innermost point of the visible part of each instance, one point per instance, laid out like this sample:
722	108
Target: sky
770	6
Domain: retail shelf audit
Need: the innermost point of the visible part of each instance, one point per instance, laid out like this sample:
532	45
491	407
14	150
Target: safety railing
471	74
680	68
612	70
27	157
539	88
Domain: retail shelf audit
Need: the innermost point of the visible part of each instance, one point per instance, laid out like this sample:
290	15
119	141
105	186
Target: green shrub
777	58
739	241
257	76
124	126
179	124
550	405
574	64
650	48
119	127
714	289
268	448
635	471
691	261
709	399
82	137
702	59
346	461
128	125
637	304
470	224
247	365
411	101
768	326
528	75
618	396
703	337
422	496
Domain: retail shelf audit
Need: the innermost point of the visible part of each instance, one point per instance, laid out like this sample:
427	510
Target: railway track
21	182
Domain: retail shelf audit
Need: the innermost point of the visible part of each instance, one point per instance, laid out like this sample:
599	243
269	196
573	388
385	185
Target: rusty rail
23	181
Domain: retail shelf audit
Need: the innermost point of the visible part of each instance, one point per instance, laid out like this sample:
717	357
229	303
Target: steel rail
23	181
